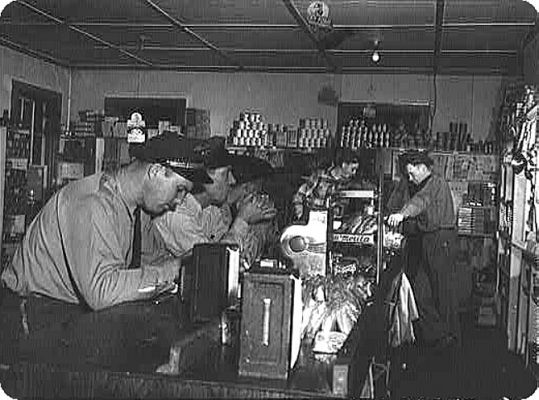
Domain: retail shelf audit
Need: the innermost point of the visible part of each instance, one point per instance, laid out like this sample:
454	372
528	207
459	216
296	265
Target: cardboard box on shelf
70	170
120	130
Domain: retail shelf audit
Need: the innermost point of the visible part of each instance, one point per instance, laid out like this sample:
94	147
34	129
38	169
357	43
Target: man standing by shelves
431	204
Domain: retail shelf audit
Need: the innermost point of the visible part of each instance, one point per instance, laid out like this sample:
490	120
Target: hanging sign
135	129
318	15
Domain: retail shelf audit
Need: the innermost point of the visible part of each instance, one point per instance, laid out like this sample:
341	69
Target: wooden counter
116	352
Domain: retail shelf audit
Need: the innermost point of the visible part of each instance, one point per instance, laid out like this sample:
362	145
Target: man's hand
298	211
169	263
395	220
255	209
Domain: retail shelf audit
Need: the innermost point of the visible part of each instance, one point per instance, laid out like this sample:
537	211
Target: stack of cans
313	133
249	130
358	134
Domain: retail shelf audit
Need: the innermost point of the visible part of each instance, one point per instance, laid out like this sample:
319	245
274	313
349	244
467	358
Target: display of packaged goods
475	221
313	133
250	130
70	171
91	115
197	123
359	134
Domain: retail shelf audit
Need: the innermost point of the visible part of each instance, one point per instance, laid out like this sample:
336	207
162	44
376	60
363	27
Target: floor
481	368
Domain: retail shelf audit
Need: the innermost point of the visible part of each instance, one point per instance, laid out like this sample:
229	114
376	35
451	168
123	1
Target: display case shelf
357	194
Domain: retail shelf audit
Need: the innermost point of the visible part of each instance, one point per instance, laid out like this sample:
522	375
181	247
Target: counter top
116	352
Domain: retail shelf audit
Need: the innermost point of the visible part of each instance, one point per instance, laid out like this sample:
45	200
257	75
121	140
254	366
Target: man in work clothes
432	206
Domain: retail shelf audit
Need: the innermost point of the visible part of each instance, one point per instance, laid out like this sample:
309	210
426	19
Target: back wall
284	98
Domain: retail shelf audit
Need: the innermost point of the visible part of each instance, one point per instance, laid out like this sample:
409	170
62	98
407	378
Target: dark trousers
21	317
430	264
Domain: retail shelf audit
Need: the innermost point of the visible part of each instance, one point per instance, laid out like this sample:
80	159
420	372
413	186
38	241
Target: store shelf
357	194
18	163
363	240
476	234
312	150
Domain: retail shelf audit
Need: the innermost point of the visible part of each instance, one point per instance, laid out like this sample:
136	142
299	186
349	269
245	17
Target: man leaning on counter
76	253
198	219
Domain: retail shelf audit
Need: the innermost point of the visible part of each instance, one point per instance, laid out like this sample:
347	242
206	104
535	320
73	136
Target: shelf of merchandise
13	212
518	271
528	307
369	240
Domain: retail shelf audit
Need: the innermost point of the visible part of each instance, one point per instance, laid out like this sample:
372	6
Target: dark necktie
137	241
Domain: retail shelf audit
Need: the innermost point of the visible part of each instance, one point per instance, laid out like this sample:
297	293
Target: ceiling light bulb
375	56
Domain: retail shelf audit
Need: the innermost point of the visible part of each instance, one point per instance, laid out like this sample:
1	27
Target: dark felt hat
416	157
247	168
176	152
214	154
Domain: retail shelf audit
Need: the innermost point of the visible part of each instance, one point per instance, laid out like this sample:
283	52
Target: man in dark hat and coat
199	218
431	204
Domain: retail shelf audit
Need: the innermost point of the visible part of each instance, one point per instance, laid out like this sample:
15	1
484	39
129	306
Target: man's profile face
416	173
219	190
165	190
350	168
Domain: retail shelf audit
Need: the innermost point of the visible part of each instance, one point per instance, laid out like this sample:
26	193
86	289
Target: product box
213	280
69	170
120	130
292	138
14	224
270	334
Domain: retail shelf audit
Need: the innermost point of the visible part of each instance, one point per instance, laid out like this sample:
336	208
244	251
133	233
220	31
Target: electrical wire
434	100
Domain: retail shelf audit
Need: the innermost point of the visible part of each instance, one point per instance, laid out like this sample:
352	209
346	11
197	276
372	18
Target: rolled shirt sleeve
189	225
434	203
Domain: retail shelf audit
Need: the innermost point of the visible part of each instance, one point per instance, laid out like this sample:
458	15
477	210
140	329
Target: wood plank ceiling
414	36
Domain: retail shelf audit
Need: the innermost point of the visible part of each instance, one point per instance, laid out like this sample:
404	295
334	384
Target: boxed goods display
270	324
197	123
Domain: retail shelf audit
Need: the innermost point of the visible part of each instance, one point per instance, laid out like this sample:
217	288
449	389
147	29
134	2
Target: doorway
38	110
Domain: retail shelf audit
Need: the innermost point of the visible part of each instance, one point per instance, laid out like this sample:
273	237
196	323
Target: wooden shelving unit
518	257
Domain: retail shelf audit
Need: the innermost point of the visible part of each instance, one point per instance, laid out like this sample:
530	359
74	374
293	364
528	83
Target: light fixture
375	54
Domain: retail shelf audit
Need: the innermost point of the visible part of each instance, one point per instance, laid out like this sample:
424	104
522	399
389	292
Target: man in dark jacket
432	206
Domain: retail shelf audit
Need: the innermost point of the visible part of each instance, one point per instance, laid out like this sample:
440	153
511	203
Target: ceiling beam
276	69
330	51
83	32
114	24
182	27
33	53
438	28
293	10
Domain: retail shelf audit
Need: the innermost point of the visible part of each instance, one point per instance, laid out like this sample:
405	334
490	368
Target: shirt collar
111	181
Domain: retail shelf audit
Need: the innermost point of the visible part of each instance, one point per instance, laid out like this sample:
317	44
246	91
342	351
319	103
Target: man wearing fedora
199	218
